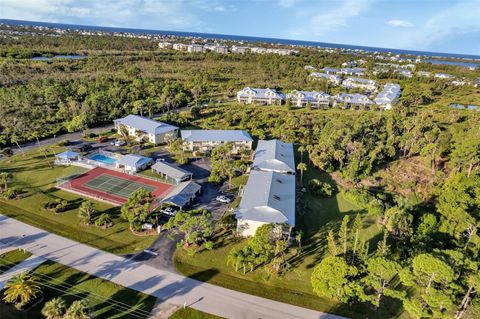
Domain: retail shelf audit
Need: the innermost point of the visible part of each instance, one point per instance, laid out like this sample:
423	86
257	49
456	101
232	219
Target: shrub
92	135
7	152
104	221
57	206
320	188
10	193
64	143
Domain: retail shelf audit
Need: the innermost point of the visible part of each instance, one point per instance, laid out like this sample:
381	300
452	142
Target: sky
427	25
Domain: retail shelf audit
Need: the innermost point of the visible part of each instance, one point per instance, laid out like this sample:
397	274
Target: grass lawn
319	216
36	175
189	313
108	300
11	259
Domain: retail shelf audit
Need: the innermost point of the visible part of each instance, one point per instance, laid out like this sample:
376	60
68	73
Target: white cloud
161	14
400	23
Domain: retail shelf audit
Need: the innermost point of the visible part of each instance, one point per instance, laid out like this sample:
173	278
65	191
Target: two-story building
205	140
261	96
314	98
388	96
142	128
332	78
356	101
360	83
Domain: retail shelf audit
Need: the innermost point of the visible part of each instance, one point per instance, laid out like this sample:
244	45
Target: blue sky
431	25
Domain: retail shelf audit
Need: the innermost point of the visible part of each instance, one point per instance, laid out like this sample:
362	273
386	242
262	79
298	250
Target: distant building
444	76
216	48
206	140
309	67
165	45
334	79
171	172
239	49
424	73
196	48
352	100
360	83
350	64
180	46
269	195
405	73
353	71
477	82
331	70
144	128
388	96
302	98
459	82
260	96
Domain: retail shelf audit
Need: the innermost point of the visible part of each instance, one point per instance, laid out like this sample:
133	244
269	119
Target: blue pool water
103	159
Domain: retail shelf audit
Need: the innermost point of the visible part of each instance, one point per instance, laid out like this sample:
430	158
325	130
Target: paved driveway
167	286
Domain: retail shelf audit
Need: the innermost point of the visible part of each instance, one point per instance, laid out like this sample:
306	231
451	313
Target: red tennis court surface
113	186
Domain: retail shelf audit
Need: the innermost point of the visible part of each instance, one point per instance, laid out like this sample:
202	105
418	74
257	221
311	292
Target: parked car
169	211
118	143
102	139
223	199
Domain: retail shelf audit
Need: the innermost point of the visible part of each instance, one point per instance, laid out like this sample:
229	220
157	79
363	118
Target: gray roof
389	94
215	136
355	98
332	70
145	124
182	194
311	96
261	93
274	155
171	170
361	80
330	77
133	160
268	197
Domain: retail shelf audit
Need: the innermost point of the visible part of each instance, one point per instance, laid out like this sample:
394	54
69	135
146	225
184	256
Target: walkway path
167	286
27	265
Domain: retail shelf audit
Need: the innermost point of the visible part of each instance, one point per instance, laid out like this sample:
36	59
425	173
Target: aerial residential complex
141	127
388	96
206	140
260	96
303	98
269	195
334	79
360	83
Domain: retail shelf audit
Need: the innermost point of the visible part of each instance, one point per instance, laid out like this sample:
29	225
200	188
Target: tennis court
118	186
113	186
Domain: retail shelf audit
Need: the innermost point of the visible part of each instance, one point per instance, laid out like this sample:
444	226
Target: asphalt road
166	286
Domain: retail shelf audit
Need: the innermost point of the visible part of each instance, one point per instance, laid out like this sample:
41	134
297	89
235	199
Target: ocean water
456	63
241	38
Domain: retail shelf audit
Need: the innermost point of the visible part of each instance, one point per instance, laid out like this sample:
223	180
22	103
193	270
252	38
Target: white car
119	143
223	199
169	211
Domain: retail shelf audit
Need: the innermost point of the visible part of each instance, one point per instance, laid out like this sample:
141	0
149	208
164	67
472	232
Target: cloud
164	14
332	18
400	23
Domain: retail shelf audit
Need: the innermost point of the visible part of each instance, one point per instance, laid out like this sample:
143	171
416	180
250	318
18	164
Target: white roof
145	124
389	94
309	95
268	197
133	160
274	155
355	98
171	170
215	136
260	93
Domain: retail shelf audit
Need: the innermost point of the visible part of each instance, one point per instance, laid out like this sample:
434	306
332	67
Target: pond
456	63
60	56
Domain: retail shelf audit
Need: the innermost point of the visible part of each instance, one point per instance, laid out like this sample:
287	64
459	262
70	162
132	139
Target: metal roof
355	98
215	136
274	155
145	124
133	160
312	96
68	155
260	93
171	170
389	94
182	194
268	197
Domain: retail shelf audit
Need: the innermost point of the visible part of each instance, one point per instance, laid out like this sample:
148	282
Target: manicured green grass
11	259
189	313
36	175
315	219
108	300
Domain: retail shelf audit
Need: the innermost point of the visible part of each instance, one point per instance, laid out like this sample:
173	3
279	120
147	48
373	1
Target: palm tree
21	289
86	211
123	130
78	310
54	309
4	177
302	150
301	167
232	258
298	238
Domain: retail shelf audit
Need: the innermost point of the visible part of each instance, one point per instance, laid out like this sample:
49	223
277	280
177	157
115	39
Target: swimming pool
103	159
